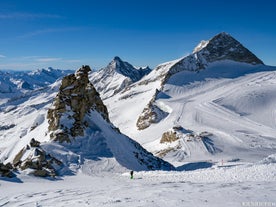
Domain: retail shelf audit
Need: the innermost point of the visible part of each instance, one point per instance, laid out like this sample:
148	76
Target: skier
131	174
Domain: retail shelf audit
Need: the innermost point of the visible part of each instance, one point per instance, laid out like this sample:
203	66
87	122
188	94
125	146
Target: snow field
233	101
226	185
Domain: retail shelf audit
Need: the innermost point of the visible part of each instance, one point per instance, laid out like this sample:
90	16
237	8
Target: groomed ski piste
234	102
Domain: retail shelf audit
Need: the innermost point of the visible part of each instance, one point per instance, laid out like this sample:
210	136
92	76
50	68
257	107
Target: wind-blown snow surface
235	102
231	184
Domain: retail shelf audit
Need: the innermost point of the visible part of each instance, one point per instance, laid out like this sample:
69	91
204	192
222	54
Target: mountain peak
116	76
117	58
117	65
223	37
223	34
224	47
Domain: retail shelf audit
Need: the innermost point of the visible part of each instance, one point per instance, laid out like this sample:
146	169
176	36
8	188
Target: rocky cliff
76	97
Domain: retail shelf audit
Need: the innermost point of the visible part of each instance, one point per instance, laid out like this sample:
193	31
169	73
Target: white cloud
48	59
33	62
16	66
2	56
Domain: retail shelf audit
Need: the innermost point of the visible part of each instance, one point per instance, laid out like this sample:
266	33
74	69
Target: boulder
34	157
6	170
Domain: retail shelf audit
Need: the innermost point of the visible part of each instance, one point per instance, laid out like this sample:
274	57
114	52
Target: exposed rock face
182	143
151	114
76	97
6	170
169	137
221	47
224	47
35	158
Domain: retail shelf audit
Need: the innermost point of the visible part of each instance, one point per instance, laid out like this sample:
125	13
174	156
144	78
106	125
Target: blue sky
67	34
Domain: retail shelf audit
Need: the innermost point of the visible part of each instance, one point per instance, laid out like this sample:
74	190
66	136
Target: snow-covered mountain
17	80
73	133
17	84
116	76
210	104
211	113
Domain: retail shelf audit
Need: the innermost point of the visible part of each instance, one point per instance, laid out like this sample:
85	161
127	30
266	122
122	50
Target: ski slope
232	101
231	184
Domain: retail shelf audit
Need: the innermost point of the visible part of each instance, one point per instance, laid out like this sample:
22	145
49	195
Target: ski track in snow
196	108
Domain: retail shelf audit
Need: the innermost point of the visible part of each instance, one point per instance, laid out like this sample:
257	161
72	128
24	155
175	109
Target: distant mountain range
11	82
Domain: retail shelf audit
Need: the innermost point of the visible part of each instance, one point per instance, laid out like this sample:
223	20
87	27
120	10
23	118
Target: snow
242	121
20	82
233	184
115	77
231	104
201	45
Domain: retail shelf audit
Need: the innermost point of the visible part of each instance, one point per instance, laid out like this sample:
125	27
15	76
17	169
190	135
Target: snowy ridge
200	46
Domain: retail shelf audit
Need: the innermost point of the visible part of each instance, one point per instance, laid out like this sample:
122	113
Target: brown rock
169	137
34	143
76	97
41	173
6	170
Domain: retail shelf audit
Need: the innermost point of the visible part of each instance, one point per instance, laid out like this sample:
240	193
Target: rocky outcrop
34	158
169	137
151	114
182	143
173	134
6	170
76	97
